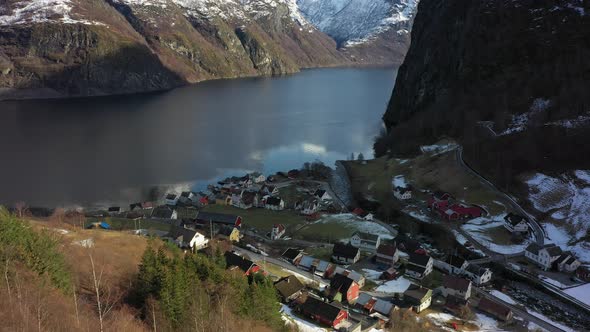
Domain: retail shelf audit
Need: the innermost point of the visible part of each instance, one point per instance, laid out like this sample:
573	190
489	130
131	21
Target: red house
343	289
323	312
234	261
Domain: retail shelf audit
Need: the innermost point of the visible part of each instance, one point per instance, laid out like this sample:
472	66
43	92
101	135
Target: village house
274	203
292	255
257	177
365	241
164	212
289	288
187	197
310	207
205	218
357	277
387	255
456	286
452	265
494	309
229	233
442	203
402	193
567	262
583	273
418	297
345	253
323	312
222	199
516	224
278	230
322	195
171	199
455	305
113	210
374	307
316	266
234	261
245	199
419	266
343	289
187	238
141	206
543	256
186	213
477	274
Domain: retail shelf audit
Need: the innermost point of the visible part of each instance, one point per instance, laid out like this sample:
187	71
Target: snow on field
502	296
372	274
302	325
520	122
551	281
87	243
398	285
548	320
399	181
479	229
351	221
436	149
417	213
39	11
462	240
560	237
484	323
581	293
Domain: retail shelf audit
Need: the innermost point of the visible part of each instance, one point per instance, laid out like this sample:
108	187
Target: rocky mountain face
57	48
509	80
511	76
368	31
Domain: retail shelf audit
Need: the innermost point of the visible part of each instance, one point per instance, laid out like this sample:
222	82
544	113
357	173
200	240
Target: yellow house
223	199
231	233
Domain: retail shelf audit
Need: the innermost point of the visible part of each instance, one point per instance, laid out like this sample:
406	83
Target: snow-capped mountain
93	47
357	21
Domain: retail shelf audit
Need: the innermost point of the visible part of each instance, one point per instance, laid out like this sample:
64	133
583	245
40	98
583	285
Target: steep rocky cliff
57	48
510	79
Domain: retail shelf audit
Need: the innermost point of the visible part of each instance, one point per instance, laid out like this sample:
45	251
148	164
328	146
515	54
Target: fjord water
112	149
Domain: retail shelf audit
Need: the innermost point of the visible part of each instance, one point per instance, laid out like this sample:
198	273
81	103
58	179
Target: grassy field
261	219
324	253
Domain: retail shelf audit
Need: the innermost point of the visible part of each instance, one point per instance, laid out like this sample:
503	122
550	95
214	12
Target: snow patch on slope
41	11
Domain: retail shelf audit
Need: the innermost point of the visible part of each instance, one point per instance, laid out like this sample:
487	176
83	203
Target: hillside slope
509	79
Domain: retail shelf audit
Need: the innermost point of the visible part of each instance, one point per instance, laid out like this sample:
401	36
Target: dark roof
225	230
220	218
162	212
186	234
367	236
553	250
320	308
319	193
493	308
291	253
387	250
171	196
456	283
476	269
514	219
114	209
273	201
340	283
231	259
288	286
416	294
344	250
415	268
417	259
455	261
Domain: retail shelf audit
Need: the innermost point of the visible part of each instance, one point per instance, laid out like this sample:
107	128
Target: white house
387	255
456	286
187	238
365	241
419	266
322	194
257	177
368	217
420	297
345	253
477	274
567	262
278	230
515	223
452	265
187	197
309	207
402	193
274	203
171	199
543	256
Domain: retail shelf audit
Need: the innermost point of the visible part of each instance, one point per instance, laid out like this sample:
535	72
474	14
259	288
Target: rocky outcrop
509	79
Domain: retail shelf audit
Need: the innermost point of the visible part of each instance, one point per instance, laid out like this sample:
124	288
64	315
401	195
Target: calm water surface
111	149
